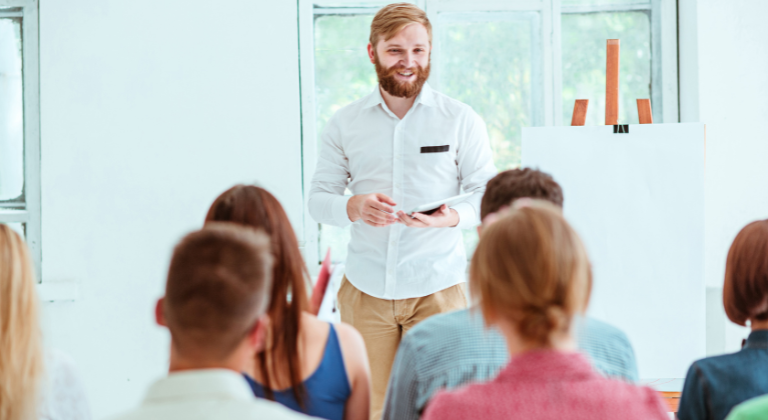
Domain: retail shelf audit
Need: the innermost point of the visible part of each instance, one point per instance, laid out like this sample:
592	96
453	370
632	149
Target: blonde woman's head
21	359
530	271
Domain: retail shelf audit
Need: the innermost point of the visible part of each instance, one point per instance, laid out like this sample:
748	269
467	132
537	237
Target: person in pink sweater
531	274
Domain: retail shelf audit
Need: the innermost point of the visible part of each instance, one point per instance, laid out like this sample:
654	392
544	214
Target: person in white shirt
215	299
401	146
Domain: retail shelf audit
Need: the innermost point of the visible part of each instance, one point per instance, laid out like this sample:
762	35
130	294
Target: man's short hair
510	185
218	287
391	19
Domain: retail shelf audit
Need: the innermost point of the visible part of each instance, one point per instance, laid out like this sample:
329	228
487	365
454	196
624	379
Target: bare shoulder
314	329
349	338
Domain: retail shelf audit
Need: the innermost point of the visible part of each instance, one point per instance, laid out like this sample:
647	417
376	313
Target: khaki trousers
383	322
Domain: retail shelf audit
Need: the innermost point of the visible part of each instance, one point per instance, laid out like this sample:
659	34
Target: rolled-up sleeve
476	168
327	202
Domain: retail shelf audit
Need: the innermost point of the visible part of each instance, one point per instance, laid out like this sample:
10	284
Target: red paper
322	283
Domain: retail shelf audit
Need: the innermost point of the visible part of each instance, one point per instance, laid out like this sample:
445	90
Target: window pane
11	113
584	49
343	74
490	62
20	228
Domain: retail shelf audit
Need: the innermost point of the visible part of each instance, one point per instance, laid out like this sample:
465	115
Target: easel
612	118
611	94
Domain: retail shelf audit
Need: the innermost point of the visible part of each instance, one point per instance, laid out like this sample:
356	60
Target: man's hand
444	217
372	208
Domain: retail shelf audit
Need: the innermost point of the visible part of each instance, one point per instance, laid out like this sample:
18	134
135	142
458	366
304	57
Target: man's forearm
328	208
353	208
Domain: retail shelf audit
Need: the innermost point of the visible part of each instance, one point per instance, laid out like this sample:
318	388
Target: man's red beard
394	87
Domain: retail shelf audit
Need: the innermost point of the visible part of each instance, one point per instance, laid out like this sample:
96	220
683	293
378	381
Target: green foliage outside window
583	60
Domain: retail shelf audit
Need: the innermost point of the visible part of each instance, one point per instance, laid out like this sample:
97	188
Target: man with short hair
449	350
402	146
215	299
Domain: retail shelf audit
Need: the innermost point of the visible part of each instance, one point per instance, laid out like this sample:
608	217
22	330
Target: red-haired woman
308	365
715	385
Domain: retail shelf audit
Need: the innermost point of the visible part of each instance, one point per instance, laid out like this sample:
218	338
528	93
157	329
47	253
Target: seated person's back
215	299
450	350
531	275
327	385
715	385
312	366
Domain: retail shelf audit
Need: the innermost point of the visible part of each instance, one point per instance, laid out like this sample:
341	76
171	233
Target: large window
19	121
518	63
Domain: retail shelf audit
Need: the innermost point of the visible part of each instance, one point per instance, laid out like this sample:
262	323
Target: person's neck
516	346
181	362
182	365
398	106
562	341
759	325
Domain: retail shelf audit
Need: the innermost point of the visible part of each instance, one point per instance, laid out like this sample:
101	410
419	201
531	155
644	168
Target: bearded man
401	146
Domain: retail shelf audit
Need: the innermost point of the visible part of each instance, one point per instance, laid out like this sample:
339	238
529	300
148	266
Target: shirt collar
757	339
545	365
218	384
425	97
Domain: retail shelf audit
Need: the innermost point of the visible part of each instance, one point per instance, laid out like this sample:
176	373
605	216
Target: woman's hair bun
538	324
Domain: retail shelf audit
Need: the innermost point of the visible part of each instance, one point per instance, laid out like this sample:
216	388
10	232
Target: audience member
449	350
308	365
34	383
713	386
215	299
531	275
754	409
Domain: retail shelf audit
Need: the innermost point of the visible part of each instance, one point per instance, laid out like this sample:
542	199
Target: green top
756	408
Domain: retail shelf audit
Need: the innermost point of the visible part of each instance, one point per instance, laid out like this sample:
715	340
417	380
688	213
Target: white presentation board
637	201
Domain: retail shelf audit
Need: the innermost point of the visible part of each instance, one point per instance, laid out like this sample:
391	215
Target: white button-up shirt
207	394
367	149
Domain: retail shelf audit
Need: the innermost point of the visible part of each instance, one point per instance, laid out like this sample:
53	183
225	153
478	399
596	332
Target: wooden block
580	112
644	111
612	83
672	399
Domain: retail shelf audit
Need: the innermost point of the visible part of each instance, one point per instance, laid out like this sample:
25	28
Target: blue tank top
327	389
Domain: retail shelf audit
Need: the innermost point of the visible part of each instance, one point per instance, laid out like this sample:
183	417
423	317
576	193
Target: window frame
664	65
30	215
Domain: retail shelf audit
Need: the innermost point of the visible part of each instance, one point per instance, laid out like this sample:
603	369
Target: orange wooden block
672	399
644	113
580	112
612	83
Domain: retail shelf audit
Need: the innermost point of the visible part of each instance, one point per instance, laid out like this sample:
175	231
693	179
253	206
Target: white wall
150	109
723	84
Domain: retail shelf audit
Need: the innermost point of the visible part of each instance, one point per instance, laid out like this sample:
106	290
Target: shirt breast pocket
437	161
